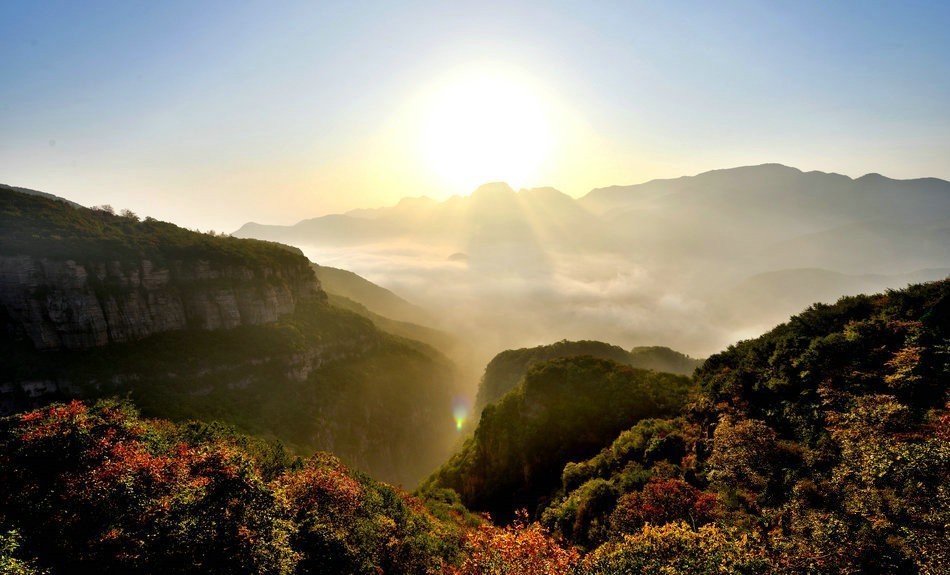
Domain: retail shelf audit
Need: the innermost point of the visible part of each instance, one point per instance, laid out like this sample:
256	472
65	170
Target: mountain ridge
642	265
191	325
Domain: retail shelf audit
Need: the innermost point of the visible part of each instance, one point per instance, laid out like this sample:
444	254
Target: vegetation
47	227
320	378
563	409
745	477
98	489
506	369
821	447
831	428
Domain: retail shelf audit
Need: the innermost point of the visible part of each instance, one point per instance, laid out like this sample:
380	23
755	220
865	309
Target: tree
677	549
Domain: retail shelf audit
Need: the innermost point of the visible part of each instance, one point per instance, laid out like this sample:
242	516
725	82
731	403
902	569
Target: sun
485	126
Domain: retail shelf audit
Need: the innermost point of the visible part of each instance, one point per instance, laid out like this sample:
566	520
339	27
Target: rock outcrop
63	304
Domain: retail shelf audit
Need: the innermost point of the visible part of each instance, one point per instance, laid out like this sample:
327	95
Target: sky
212	114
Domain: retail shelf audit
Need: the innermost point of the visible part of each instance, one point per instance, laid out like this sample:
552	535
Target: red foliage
663	501
322	485
53	421
103	487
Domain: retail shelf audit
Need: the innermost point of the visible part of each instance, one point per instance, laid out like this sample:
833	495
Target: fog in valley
695	263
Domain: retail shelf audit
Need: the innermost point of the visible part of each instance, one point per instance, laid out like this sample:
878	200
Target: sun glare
485	127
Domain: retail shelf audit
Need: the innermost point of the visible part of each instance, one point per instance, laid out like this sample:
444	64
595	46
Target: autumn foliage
822	447
98	489
519	549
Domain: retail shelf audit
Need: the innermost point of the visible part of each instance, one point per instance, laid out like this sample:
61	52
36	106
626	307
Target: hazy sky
211	114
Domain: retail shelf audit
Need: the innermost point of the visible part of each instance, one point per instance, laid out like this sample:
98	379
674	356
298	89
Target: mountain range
695	263
164	392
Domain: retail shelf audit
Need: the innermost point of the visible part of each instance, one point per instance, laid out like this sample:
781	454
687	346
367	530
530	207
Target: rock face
62	304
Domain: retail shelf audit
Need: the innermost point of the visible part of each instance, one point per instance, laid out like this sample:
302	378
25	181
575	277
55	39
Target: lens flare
460	409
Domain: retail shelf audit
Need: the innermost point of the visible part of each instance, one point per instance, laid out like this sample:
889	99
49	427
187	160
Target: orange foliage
322	485
520	549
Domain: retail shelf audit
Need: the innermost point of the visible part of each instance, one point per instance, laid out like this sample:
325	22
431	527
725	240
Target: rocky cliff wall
63	304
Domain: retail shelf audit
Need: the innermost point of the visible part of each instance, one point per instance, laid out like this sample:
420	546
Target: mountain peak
493	189
873	177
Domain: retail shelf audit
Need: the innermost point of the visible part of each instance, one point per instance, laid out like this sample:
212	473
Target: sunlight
485	126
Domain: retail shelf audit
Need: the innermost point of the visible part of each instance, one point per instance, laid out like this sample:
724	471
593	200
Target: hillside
505	370
388	312
74	278
563	409
190	325
437	339
832	427
376	299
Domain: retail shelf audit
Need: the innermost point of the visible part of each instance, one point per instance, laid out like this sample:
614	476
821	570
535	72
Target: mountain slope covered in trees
190	325
833	427
821	447
561	410
507	368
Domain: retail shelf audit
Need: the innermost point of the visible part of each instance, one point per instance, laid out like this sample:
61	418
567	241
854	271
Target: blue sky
210	114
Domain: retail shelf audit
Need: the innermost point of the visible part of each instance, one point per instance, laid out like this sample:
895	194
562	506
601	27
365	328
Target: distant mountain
377	299
724	213
493	214
667	260
661	358
198	326
508	368
786	192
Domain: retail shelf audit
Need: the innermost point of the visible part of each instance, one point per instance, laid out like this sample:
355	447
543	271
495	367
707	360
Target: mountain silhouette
641	264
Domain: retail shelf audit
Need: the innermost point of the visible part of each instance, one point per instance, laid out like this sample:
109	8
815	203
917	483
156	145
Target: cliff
63	304
73	278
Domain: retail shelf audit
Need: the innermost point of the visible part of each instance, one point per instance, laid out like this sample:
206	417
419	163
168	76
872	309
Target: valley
178	368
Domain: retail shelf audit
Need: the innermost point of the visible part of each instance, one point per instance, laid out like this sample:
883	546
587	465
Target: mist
695	264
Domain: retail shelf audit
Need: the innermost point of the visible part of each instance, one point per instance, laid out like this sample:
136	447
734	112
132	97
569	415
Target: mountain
666	260
661	358
376	299
192	325
508	368
437	339
73	278
493	213
831	427
788	193
563	409
348	291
